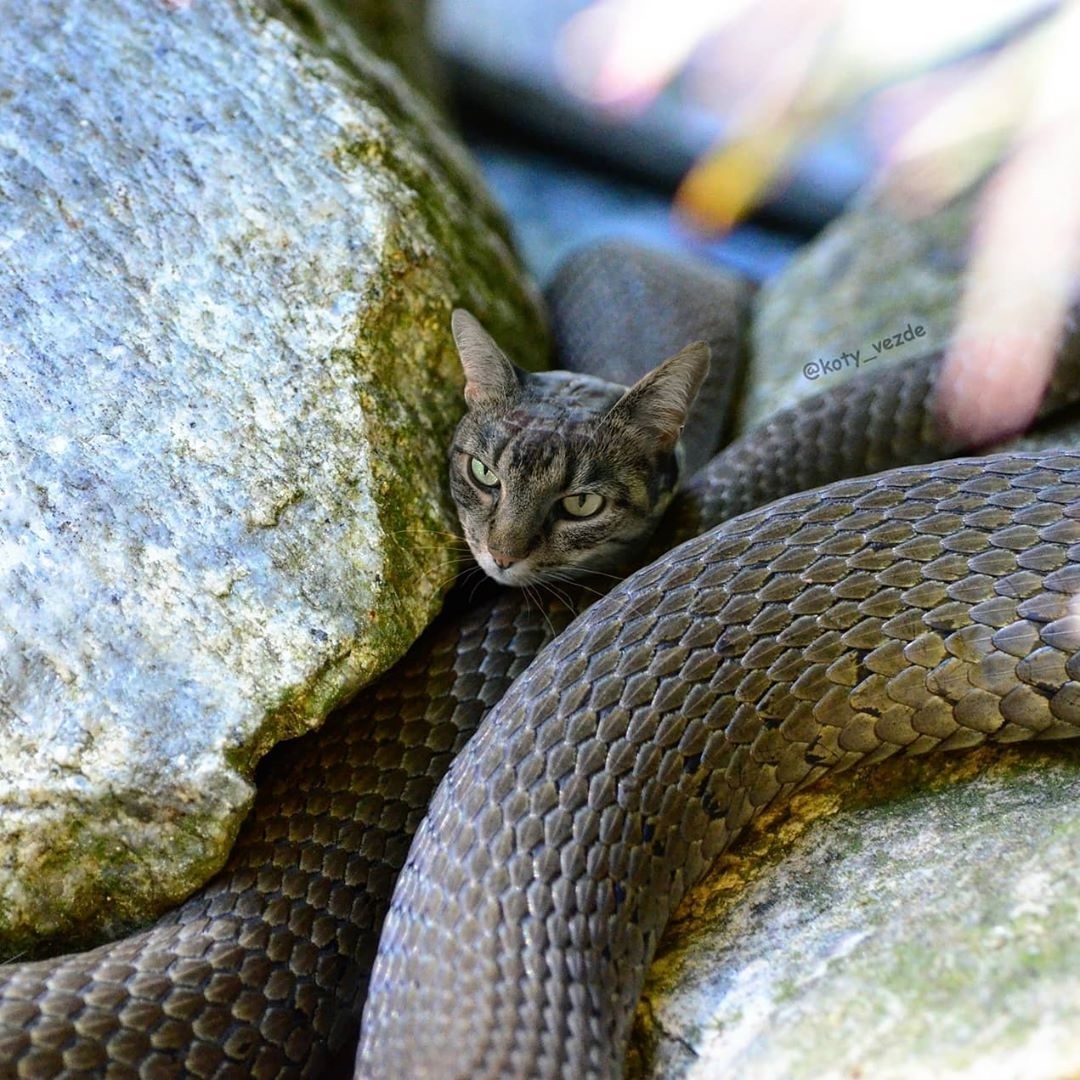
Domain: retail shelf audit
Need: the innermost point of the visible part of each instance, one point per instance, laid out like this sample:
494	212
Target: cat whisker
448	567
425	527
438	541
535	596
573	584
614	578
464	569
429	544
425	535
595	592
449	545
564	596
480	578
560	595
451	580
445	581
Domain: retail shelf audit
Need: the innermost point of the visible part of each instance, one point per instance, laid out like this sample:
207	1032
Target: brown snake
927	607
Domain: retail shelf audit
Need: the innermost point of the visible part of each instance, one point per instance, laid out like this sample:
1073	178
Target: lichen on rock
226	388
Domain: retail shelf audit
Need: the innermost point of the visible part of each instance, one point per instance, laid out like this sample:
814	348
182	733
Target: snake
477	856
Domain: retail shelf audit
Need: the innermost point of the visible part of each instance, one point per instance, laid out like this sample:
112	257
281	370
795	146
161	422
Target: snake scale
929	606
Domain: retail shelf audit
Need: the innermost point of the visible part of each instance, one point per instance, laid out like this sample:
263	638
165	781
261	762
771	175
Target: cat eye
583	505
482	474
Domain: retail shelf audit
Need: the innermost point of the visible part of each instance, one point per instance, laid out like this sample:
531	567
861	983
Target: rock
922	919
872	289
867	286
227	385
350	31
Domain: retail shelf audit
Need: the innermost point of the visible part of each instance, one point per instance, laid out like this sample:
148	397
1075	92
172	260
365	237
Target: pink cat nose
503	562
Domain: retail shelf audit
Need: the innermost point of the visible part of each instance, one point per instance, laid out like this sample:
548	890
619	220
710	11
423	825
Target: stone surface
226	389
868	277
920	920
350	31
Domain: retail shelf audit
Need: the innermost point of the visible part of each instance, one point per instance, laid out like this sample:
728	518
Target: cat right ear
490	377
659	402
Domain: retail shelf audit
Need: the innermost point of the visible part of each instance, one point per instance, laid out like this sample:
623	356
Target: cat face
555	475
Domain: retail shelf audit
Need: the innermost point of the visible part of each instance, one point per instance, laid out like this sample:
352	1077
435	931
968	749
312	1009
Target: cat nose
502	561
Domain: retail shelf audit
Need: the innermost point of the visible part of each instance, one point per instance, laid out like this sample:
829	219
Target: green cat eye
583	505
482	474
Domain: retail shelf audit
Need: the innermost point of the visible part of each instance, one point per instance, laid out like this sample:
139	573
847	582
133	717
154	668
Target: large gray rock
351	30
920	921
226	390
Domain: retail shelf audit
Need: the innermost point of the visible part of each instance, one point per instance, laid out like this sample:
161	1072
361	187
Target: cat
556	475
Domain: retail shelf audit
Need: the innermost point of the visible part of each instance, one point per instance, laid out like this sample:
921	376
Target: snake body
925	607
928	607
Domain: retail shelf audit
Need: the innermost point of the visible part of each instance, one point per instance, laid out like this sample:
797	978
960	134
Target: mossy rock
920	919
227	388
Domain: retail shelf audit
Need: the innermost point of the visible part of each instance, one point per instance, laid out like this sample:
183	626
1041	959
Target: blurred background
736	130
759	120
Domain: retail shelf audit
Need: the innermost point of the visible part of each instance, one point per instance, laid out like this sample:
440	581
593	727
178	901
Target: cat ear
490	378
658	402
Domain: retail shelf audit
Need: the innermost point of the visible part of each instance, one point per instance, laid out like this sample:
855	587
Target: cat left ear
490	377
660	401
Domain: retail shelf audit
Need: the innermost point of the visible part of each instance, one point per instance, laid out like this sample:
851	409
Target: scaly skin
930	607
263	973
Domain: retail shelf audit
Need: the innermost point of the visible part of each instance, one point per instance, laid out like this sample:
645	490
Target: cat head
558	474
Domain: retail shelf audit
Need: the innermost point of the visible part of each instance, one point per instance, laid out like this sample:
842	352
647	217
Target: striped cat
556	474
